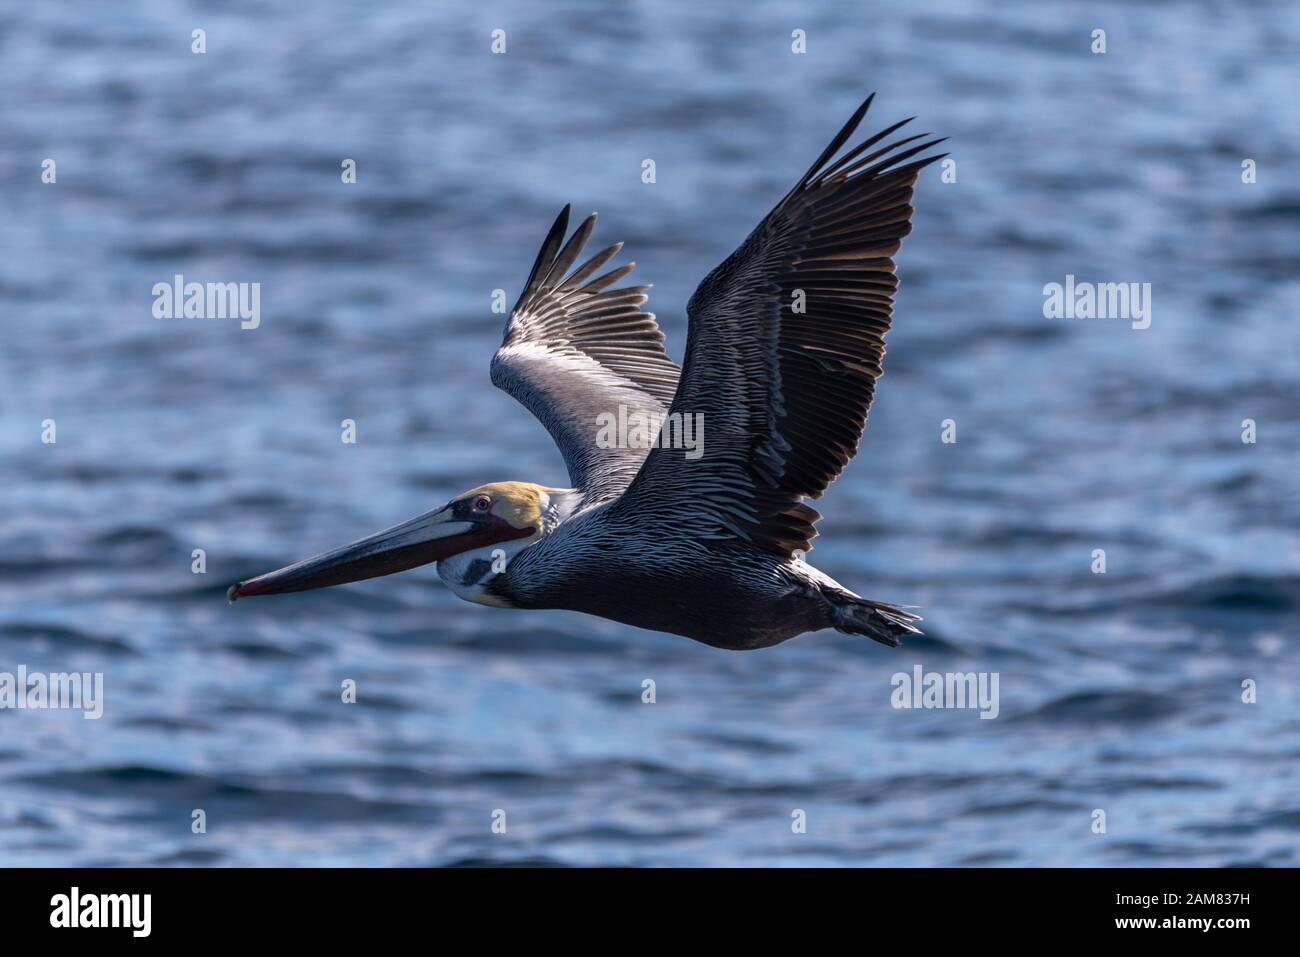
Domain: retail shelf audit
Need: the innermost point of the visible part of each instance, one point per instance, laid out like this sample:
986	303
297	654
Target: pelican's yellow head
472	538
520	505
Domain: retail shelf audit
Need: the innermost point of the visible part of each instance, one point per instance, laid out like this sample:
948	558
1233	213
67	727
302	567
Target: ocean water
1120	692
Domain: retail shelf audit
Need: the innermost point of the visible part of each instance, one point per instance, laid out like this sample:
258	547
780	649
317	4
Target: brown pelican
783	351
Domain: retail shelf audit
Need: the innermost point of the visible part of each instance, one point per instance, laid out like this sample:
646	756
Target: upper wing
576	351
784	348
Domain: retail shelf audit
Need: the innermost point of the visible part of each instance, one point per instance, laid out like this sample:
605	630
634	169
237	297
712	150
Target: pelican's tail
877	620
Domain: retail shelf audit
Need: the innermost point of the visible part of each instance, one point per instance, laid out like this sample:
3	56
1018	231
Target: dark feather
785	394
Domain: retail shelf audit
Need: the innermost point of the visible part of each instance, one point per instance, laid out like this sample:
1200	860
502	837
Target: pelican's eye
482	503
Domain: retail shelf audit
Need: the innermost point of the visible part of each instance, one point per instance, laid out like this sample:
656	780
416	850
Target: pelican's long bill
431	537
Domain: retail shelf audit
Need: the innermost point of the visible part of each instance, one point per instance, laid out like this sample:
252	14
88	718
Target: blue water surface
1120	692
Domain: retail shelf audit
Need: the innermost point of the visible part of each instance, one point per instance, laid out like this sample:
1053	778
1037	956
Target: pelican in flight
783	351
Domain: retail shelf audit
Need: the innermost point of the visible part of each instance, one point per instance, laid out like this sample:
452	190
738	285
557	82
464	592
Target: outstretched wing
576	352
784	348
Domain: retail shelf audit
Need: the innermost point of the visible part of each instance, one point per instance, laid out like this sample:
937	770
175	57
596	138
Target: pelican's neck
557	504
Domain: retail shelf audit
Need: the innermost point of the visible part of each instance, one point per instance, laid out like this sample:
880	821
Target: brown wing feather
784	348
575	349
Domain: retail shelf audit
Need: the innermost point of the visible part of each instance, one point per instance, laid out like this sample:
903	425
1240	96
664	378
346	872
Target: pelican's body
719	593
708	542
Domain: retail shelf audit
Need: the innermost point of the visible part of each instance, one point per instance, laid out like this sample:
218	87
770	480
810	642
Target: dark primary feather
574	348
785	393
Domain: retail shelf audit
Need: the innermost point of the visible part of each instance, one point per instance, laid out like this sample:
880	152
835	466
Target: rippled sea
1120	692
